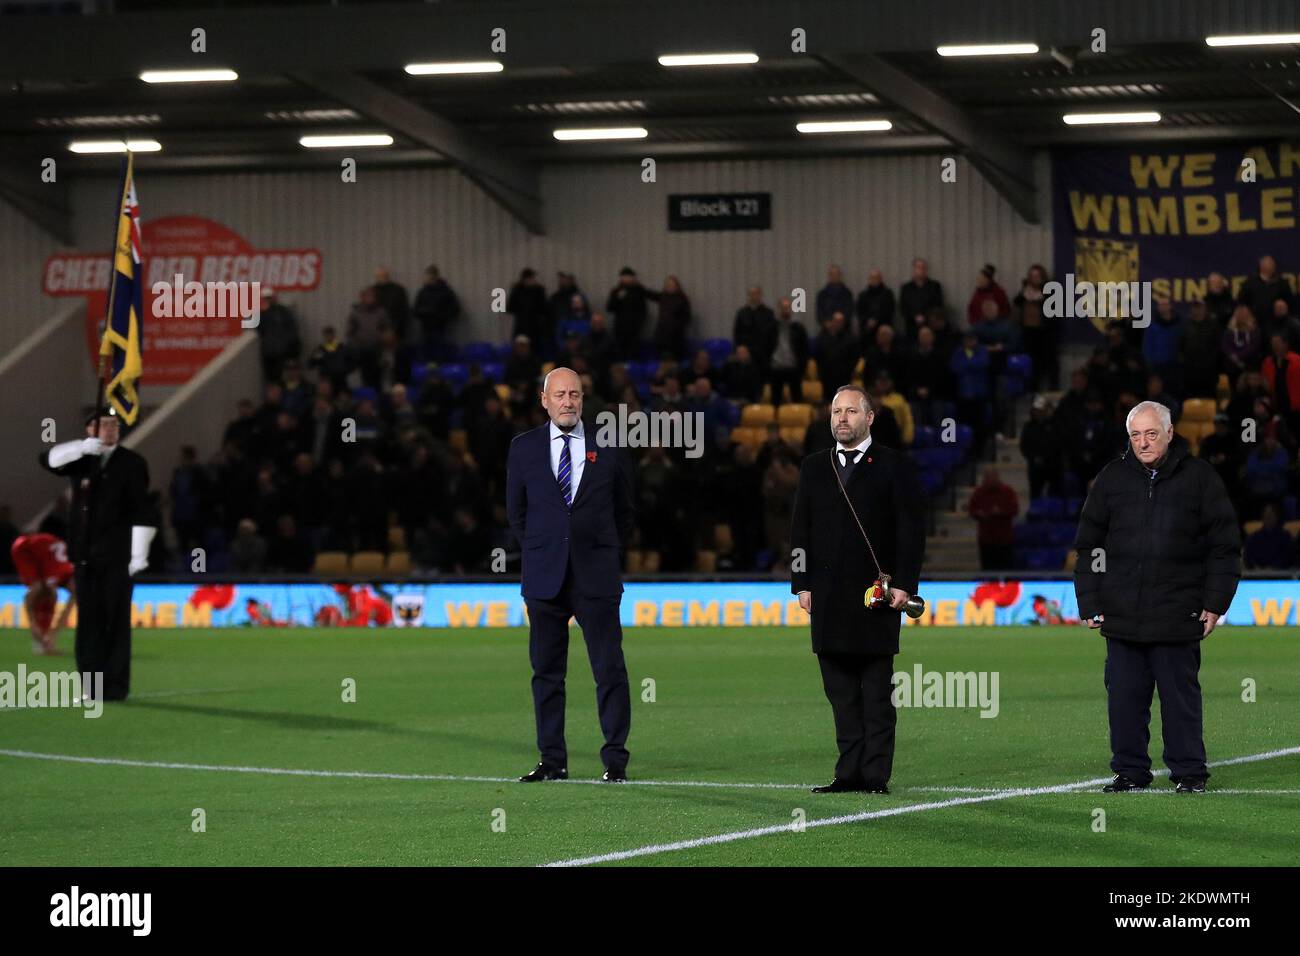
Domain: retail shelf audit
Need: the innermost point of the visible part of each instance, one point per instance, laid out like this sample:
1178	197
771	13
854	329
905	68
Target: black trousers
548	650
779	377
1133	670
104	625
860	689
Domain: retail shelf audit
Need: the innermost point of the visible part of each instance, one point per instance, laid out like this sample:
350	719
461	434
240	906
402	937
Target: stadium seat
813	392
965	436
635	561
1046	509
455	374
810	371
1292	528
924	437
753	437
1071	559
367	564
767	393
478	352
1073	506
547	367
706	562
331	564
932	481
719	350
722	539
1250	527
793	435
398	564
458	440
396	538
493	371
503	391
794	414
1191	431
1021	366
757	416
1199	410
650	563
1223	391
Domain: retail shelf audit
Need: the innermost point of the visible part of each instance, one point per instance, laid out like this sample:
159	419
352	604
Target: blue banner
685	604
1171	216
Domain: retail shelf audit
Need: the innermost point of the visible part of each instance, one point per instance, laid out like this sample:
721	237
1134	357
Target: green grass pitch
731	706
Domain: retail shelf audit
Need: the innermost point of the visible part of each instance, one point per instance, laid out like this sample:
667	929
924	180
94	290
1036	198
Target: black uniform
99	545
854	644
1172	549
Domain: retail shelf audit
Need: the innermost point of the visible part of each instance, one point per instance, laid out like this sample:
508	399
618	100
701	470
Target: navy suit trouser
1133	671
548	650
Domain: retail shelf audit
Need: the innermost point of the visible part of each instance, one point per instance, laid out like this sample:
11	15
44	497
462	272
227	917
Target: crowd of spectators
363	441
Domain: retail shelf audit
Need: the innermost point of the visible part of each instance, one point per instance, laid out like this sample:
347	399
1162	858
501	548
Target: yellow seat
547	367
767	392
1292	528
396	538
1199	410
792	414
651	562
398	564
503	391
722	539
757	416
1071	557
813	392
331	564
1250	527
458	440
1191	431
793	435
635	560
706	562
1223	391
810	371
367	564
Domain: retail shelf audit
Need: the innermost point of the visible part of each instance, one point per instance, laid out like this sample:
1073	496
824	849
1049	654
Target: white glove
67	452
141	538
92	446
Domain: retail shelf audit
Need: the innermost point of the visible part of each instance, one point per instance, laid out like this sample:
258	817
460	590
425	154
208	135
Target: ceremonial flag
120	358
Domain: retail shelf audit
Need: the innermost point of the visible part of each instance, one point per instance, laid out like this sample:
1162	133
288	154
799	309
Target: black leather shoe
875	786
1122	784
545	772
840	786
613	775
1190	785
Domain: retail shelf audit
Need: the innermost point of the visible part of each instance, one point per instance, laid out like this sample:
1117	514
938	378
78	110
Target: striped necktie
565	472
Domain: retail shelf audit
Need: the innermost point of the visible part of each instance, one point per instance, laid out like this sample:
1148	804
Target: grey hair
1166	418
546	382
864	397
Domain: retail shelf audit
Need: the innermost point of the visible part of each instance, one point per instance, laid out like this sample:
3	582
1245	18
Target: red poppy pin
868	461
591	456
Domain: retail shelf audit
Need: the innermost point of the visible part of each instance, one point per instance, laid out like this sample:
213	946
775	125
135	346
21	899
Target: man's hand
898	598
805	601
1096	622
1210	620
92	446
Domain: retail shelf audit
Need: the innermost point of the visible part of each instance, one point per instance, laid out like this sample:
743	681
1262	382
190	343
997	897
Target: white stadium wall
861	212
23	250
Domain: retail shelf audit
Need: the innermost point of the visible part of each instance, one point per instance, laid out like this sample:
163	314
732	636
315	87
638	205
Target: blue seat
478	352
455	374
1073	506
1058	533
1046	509
1044	559
932	481
1024	535
493	371
719	350
1021	366
924	437
927	457
965	436
503	352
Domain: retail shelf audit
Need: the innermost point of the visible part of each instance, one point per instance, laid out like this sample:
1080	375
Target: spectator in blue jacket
834	296
1160	344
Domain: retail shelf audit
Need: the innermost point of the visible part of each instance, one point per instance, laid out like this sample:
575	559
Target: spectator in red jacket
1281	372
994	505
986	287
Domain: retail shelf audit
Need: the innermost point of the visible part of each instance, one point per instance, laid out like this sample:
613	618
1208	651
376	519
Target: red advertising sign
176	346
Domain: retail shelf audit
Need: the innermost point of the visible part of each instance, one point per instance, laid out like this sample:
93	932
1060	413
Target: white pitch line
154	694
656	848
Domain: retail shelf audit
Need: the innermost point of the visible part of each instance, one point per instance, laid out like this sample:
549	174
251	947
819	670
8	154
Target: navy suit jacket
591	533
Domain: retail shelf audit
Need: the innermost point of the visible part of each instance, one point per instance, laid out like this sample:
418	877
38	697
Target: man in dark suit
112	527
570	505
832	570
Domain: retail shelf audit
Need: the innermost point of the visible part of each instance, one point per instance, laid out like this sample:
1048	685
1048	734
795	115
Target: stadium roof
315	68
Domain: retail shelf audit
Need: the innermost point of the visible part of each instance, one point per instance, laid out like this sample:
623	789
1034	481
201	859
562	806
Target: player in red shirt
43	566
